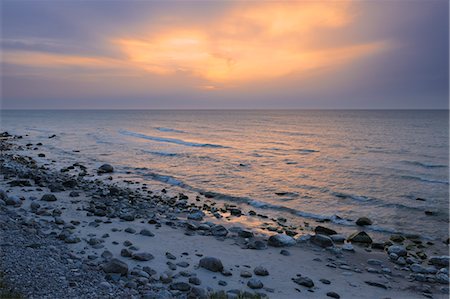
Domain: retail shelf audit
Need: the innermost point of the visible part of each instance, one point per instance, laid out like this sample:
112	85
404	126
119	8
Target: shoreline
91	220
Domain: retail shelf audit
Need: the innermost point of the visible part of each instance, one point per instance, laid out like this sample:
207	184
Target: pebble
146	232
142	256
333	295
304	281
261	271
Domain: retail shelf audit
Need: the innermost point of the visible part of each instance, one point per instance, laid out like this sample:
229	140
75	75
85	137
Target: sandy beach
82	232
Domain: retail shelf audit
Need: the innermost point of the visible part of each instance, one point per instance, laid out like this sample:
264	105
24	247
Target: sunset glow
294	46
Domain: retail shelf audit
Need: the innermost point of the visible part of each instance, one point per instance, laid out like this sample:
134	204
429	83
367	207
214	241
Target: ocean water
304	165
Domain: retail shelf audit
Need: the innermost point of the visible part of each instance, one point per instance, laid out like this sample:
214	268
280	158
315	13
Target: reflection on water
333	165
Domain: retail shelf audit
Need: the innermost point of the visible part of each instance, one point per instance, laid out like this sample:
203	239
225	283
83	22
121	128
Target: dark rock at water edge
321	230
363	221
105	168
360	237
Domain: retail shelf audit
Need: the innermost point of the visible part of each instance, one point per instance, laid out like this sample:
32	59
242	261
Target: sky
383	54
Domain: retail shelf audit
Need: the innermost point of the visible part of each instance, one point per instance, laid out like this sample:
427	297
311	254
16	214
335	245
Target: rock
126	217
304	281
13	201
196	215
115	266
170	256
285	252
376	284
416	268
257	244
398	250
397	238
222	283
245	234
105	168
211	263
48	197
441	261
333	295
219	231
146	232
246	274
126	253
363	221
142	256
360	237
338	238
130	230
321	230
195	280
261	271
281	240
71	239
322	241
324	281
198	293
254	283
180	286
183	264
34	206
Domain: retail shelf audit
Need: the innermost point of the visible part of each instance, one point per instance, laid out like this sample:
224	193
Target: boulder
398	250
360	237
142	256
261	271
304	281
442	261
48	197
322	241
115	266
105	168
321	230
363	221
281	240
254	283
219	231
211	263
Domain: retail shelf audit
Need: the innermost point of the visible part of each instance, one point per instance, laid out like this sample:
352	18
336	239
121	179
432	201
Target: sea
307	166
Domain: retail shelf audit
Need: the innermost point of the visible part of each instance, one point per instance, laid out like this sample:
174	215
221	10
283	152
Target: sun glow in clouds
249	43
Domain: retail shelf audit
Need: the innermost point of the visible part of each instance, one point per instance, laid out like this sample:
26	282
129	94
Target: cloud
250	43
247	43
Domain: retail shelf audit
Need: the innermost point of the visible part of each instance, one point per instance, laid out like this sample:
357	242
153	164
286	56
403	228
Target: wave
335	219
161	129
170	140
425	165
426	180
359	198
162	154
307	151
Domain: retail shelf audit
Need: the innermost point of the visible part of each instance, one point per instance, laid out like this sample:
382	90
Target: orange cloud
250	42
256	42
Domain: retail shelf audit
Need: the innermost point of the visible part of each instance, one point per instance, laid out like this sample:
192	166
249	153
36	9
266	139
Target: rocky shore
80	232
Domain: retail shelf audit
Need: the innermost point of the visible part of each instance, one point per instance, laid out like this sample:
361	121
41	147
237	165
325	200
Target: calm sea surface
305	165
